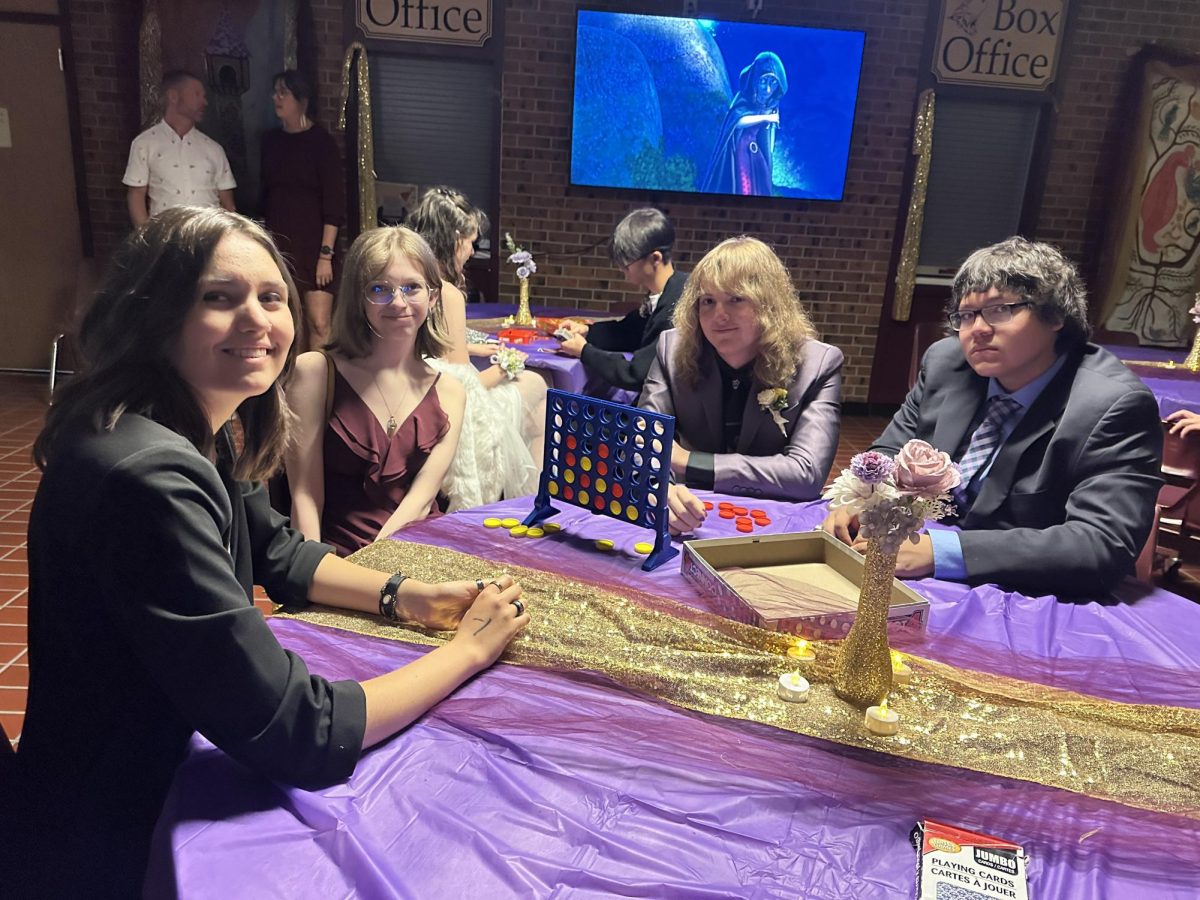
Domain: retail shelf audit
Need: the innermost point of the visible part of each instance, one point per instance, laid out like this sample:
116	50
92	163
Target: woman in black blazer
150	527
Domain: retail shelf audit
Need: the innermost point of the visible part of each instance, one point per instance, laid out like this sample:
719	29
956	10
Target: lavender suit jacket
768	462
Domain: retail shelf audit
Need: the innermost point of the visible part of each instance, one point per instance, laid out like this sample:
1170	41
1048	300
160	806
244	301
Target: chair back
925	335
1181	455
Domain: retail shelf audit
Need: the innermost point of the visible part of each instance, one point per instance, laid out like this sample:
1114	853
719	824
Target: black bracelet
387	596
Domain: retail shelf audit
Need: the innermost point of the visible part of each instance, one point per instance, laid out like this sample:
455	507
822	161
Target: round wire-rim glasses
383	293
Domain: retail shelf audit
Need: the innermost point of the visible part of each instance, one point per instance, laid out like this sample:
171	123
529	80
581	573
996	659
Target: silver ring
519	605
479	585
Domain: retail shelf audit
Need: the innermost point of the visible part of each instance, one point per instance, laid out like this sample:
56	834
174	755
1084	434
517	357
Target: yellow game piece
551	527
534	532
491	523
601	486
552	488
631	512
518	531
604	544
643	547
585	464
511	523
615	508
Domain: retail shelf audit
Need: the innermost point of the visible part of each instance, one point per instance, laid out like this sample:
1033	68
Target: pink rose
923	470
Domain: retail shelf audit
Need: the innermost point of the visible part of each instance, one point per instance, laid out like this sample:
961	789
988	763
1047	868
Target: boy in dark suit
1059	443
641	248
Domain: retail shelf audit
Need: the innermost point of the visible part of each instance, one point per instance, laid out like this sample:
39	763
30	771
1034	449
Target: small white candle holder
901	672
793	687
881	721
801	652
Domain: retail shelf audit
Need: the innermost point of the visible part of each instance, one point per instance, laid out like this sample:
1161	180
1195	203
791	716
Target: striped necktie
983	445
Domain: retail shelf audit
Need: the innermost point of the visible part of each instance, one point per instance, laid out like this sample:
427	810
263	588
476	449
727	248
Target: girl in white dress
500	448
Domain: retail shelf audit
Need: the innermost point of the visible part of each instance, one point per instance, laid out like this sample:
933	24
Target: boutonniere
775	401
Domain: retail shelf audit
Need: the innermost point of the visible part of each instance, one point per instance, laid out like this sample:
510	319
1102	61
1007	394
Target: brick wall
838	253
104	38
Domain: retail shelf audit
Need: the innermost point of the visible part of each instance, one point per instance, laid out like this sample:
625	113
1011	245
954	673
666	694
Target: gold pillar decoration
365	151
524	316
910	248
150	70
863	676
289	34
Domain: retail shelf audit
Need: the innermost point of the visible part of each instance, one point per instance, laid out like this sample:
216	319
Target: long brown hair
745	267
126	337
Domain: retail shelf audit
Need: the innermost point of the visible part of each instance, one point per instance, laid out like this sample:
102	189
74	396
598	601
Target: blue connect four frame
612	459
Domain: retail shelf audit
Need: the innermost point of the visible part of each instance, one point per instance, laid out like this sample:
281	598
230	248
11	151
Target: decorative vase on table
1192	363
526	266
892	499
524	316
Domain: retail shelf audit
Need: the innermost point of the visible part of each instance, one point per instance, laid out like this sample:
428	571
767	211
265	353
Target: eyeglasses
993	315
381	293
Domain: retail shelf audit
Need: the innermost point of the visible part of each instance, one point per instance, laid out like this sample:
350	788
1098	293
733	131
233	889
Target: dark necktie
983	444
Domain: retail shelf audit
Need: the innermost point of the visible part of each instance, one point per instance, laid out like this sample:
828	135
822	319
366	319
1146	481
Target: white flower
523	272
850	490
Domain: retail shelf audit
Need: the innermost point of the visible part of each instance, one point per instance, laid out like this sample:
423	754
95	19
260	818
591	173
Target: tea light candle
881	720
901	673
801	652
793	687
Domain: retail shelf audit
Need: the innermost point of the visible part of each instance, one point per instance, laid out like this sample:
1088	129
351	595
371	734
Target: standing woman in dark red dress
304	200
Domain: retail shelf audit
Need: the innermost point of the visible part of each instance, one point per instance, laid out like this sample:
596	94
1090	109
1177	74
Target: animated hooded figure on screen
741	160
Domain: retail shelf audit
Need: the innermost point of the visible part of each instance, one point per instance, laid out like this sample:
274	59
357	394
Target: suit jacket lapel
954	415
1041	418
708	386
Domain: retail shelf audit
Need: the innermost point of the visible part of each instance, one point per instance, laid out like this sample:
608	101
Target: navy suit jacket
1070	496
784	465
607	342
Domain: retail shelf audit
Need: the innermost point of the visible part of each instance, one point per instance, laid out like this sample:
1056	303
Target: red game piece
616	490
758	513
725	504
568	493
584	481
743	520
570	459
602	450
726	513
745	528
708	505
762	521
740	510
599	502
602	466
570	442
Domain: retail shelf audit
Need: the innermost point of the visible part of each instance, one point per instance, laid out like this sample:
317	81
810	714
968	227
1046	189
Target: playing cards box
957	864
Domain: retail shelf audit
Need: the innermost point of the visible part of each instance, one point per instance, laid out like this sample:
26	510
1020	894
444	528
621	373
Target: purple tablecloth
535	783
1175	388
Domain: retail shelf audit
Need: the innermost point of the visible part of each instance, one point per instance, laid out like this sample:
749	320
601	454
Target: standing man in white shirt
173	163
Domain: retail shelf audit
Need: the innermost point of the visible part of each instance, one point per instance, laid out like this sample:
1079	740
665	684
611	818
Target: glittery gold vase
524	316
1192	363
864	665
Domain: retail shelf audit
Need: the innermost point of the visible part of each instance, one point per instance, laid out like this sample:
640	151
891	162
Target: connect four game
611	459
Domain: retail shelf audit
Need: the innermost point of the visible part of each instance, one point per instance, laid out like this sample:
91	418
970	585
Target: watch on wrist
326	251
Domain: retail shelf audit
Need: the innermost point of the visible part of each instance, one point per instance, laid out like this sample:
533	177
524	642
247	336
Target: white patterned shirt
178	171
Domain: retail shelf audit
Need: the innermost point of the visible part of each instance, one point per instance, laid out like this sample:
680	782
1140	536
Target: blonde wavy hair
745	267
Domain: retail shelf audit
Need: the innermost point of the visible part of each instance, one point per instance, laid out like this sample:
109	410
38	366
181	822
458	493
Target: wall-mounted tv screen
744	108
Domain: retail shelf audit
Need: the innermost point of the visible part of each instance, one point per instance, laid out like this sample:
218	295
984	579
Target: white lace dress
499	427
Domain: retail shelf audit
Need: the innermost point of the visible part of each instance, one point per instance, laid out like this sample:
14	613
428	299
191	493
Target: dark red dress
366	474
303	189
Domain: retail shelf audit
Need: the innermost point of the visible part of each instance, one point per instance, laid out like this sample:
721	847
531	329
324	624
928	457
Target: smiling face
1014	352
730	323
402	318
235	338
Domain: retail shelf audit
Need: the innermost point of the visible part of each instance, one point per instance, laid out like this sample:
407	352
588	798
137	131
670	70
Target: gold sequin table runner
1137	754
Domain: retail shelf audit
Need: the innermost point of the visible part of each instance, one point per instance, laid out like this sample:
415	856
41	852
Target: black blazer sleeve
615	368
622	335
162	520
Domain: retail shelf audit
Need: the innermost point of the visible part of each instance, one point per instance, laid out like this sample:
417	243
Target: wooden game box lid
804	583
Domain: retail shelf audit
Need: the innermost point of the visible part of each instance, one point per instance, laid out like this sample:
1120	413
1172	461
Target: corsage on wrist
775	401
510	361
